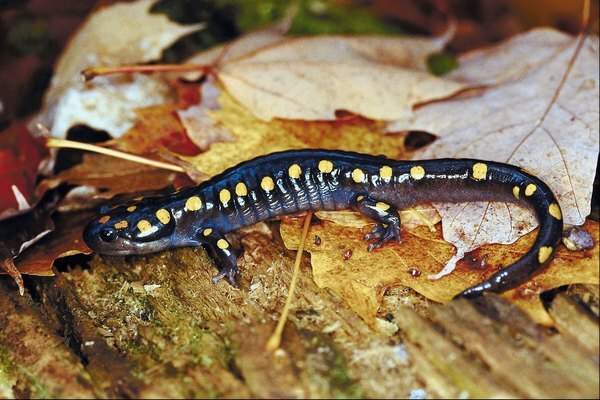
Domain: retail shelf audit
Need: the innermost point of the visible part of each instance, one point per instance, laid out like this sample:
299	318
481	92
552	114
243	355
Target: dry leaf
241	46
20	159
341	262
119	34
157	128
534	119
311	78
111	176
200	128
255	137
65	240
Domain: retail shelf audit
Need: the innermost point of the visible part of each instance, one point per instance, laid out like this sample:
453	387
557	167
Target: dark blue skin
295	181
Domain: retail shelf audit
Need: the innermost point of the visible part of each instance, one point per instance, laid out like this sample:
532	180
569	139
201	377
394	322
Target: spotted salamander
291	182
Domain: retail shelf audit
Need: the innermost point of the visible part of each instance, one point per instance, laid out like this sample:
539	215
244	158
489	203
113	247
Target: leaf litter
233	66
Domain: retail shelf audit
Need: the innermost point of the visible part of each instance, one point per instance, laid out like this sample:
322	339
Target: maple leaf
122	33
312	78
541	115
255	137
340	261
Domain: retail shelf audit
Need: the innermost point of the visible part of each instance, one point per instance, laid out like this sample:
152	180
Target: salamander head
131	229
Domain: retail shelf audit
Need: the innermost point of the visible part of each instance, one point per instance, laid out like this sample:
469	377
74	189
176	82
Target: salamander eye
107	235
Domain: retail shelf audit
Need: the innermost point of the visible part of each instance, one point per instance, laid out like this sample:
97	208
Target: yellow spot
121	224
163	216
359	198
554	210
131	208
104	219
224	196
417	172
385	173
222	244
382	206
267	183
241	189
193	203
530	189
516	191
294	171
479	171
358	176
544	254
207	232
144	226
325	166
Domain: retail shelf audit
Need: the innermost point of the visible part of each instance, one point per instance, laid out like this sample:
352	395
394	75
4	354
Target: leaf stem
90	73
70	144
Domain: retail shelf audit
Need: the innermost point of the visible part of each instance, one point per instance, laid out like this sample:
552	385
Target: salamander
296	181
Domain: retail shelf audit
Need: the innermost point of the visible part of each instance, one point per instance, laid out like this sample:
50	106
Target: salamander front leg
387	216
220	249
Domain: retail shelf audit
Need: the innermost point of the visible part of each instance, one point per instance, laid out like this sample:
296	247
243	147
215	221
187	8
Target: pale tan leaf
241	46
123	33
543	117
311	78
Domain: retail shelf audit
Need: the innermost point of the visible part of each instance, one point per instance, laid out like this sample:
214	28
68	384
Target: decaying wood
155	326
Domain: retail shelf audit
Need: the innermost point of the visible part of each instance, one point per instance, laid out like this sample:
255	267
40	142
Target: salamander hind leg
388	217
220	249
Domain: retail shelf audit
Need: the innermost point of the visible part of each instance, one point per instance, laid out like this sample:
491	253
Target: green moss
312	17
441	63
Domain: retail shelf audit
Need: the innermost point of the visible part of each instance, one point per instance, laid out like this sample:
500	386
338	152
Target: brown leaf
362	278
65	240
20	158
157	127
111	176
255	137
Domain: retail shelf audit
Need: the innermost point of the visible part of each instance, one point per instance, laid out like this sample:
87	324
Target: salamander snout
122	231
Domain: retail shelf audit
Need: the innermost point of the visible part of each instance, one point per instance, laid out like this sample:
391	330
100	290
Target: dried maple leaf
255	137
122	33
341	262
541	115
312	78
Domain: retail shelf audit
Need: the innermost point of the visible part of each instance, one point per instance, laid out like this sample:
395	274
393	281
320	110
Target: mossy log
155	326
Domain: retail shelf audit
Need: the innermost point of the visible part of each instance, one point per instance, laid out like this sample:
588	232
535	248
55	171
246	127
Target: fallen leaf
362	278
240	46
157	128
119	34
65	240
541	115
20	232
311	78
255	137
20	158
200	128
111	176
